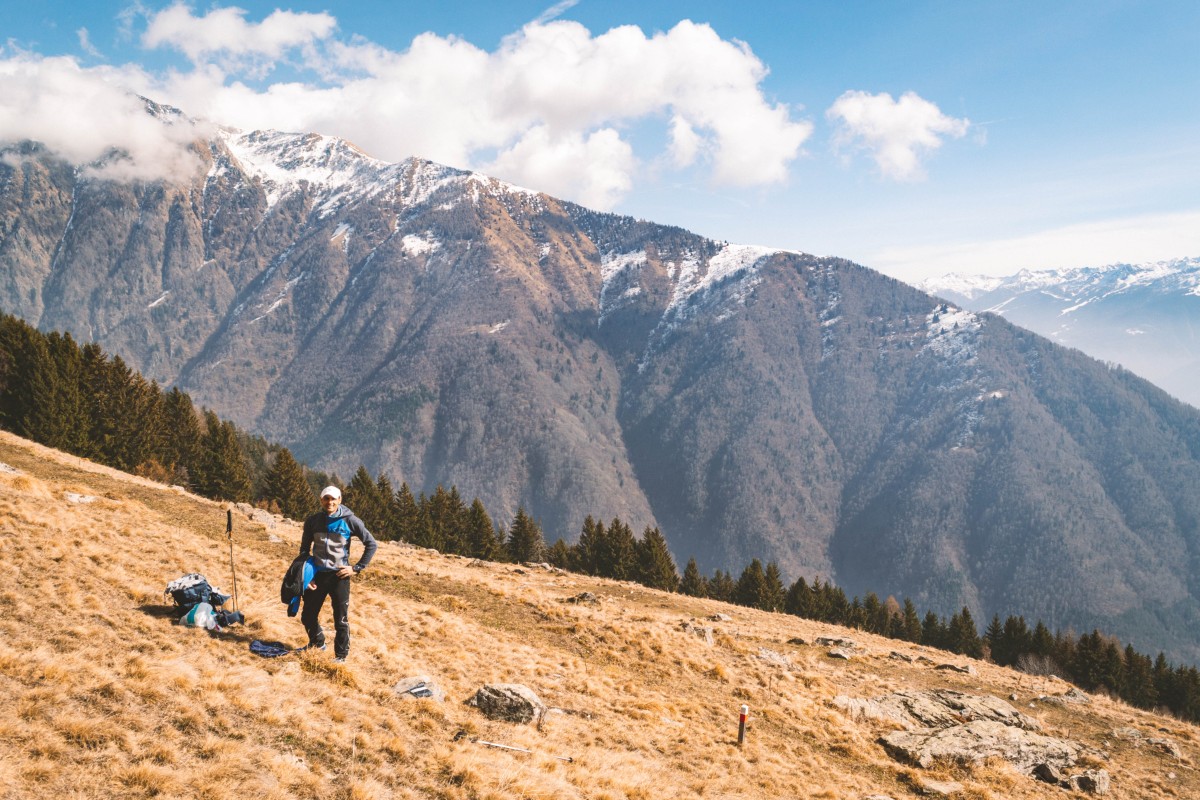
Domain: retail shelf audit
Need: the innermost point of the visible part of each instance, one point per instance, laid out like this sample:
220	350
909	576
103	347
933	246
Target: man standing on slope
327	535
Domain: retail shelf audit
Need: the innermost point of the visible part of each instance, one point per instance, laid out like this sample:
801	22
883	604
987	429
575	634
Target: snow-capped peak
1170	275
284	161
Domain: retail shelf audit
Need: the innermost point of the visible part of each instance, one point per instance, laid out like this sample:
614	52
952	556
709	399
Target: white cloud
1139	239
553	107
598	166
685	142
225	31
85	116
897	133
85	43
555	11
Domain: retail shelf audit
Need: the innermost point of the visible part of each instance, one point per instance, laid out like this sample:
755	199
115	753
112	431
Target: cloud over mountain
896	133
552	105
86	116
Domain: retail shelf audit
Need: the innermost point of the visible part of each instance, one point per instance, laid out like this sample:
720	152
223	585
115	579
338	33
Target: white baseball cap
332	491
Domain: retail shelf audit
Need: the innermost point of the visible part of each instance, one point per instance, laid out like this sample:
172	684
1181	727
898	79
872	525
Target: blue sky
1034	135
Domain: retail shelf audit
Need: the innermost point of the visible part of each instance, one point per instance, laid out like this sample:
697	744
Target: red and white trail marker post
742	725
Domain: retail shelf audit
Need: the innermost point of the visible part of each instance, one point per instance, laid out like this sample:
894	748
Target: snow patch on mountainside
415	245
619	280
731	261
952	333
721	285
283	293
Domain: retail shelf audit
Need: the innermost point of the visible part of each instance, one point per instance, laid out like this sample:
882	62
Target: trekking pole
499	746
232	568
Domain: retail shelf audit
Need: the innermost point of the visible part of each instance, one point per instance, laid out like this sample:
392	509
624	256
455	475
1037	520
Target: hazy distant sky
914	137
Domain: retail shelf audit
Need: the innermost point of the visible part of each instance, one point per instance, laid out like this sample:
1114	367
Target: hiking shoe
340	660
311	646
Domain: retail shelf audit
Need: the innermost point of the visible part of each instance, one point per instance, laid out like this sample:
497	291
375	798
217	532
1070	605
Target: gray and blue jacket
328	538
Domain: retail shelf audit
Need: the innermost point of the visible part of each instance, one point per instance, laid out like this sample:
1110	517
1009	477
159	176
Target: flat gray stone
419	687
1093	781
835	641
941	788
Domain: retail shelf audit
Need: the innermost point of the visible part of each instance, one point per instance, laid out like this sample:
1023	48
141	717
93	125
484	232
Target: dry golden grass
109	699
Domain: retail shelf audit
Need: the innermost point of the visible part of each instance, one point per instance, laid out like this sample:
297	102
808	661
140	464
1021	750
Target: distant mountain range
445	327
1145	317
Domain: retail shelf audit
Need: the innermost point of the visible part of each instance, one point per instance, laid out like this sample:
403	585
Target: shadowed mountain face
444	327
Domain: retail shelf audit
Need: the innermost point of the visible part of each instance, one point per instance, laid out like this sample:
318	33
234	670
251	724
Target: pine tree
482	540
963	636
993	637
1086	669
182	452
1042	643
798	600
910	623
751	588
933	631
225	472
874	614
525	542
287	486
22	354
443	515
857	617
408	515
559	555
589	552
773	592
1139	680
59	416
1015	641
838	607
693	583
126	422
387	527
721	586
655	566
619	558
362	497
456	523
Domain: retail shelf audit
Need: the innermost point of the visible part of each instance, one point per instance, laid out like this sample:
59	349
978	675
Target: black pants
328	584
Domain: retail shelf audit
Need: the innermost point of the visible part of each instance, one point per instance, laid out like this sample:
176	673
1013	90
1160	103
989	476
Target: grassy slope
107	698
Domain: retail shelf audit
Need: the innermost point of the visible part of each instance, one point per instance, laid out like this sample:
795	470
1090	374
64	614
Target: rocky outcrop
950	726
939	708
508	702
704	632
975	742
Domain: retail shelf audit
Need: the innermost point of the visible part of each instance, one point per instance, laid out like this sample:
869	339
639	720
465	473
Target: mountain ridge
450	329
1137	315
